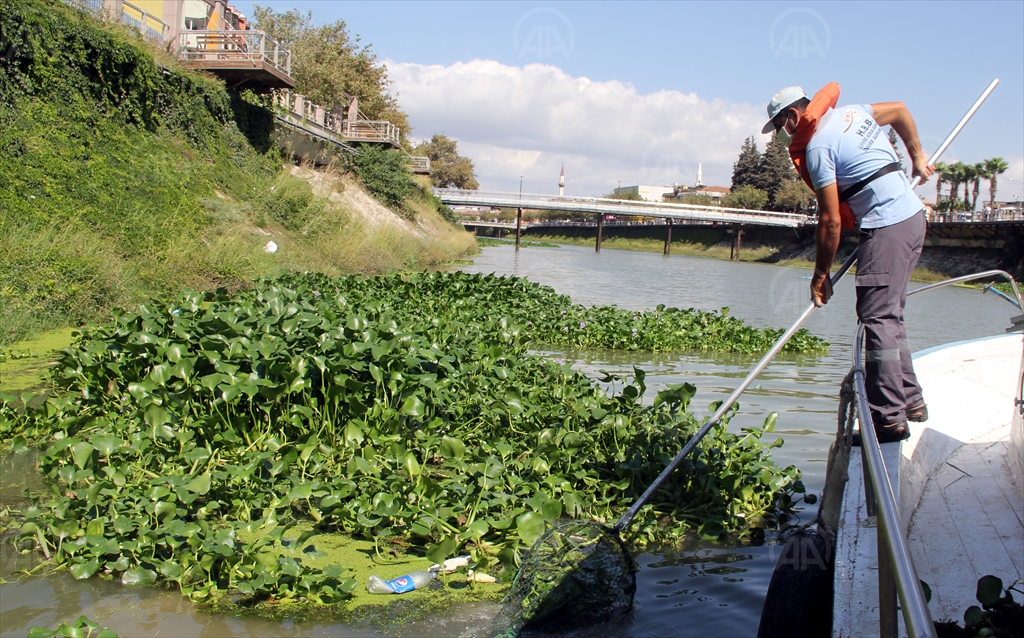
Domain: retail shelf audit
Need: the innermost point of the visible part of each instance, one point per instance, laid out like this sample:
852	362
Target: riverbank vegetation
186	440
641	244
122	179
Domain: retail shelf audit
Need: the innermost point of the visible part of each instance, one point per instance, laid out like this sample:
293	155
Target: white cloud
527	121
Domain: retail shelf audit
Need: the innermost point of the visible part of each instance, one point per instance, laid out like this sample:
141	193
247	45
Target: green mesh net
577	574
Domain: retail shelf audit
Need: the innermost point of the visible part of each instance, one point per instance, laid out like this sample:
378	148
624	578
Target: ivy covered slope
122	179
183	439
104	160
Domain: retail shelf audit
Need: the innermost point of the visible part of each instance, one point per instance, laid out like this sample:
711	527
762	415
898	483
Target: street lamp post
519	215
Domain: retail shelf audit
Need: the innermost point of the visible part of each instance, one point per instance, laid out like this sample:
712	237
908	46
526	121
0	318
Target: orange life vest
822	101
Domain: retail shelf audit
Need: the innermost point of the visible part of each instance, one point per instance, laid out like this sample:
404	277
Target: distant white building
647	193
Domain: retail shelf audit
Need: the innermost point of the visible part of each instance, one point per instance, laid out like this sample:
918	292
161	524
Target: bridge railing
630	208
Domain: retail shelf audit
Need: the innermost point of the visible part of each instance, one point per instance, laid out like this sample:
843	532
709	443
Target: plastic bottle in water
416	580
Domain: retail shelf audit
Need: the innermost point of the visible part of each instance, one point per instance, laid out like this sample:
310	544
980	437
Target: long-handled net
580	572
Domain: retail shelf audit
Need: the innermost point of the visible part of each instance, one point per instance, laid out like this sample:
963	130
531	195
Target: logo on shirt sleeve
848	118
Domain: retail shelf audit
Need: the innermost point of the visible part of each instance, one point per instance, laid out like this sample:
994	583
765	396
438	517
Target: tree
775	169
794	196
968	175
630	195
747	168
941	177
699	200
895	142
980	173
746	196
993	169
955	178
329	65
448	169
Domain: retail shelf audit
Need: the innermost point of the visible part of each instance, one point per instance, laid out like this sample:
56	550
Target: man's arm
826	242
898	116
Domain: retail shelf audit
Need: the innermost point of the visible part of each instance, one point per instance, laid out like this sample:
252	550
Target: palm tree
980	173
993	168
969	175
956	177
941	175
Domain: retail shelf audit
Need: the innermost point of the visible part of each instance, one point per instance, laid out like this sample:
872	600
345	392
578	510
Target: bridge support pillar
737	242
668	237
600	230
519	227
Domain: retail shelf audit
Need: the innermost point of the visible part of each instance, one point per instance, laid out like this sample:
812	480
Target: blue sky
640	92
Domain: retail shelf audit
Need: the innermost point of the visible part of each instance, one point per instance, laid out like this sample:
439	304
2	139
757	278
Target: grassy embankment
124	178
657	245
715	251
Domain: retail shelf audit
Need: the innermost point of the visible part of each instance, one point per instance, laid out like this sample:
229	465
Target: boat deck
966	527
960	505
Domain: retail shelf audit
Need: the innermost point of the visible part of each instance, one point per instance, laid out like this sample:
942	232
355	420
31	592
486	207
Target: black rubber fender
799	600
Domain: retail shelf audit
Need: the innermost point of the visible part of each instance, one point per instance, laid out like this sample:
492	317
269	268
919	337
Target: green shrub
385	173
291	202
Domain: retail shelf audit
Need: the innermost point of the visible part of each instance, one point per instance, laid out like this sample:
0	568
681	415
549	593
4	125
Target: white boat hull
958	481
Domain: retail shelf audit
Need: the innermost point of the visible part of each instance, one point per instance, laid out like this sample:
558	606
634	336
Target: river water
697	590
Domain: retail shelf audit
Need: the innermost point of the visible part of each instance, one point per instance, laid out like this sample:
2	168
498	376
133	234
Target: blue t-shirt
848	146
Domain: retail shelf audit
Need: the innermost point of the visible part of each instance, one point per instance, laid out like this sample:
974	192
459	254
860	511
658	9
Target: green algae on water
23	366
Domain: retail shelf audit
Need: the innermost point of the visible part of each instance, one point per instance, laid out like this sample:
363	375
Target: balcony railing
249	46
322	120
419	164
136	17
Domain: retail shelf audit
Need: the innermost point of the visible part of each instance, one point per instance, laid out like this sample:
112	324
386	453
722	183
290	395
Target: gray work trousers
885	259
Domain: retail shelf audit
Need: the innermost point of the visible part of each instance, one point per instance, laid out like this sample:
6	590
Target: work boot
885	434
918	414
893	432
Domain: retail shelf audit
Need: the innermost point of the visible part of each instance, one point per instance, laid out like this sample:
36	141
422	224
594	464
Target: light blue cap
782	100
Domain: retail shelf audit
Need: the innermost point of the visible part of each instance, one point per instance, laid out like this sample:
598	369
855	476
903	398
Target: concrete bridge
603	209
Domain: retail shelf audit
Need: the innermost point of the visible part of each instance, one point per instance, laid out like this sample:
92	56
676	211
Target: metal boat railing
897	575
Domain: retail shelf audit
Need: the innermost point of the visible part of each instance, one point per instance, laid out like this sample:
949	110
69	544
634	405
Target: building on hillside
167	19
208	35
646	193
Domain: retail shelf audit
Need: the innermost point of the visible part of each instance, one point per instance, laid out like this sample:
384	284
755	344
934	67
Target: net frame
577	574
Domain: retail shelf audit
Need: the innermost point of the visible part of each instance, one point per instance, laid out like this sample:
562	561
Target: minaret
561	183
700	174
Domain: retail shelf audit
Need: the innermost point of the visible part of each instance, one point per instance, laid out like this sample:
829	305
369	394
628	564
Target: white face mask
784	136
